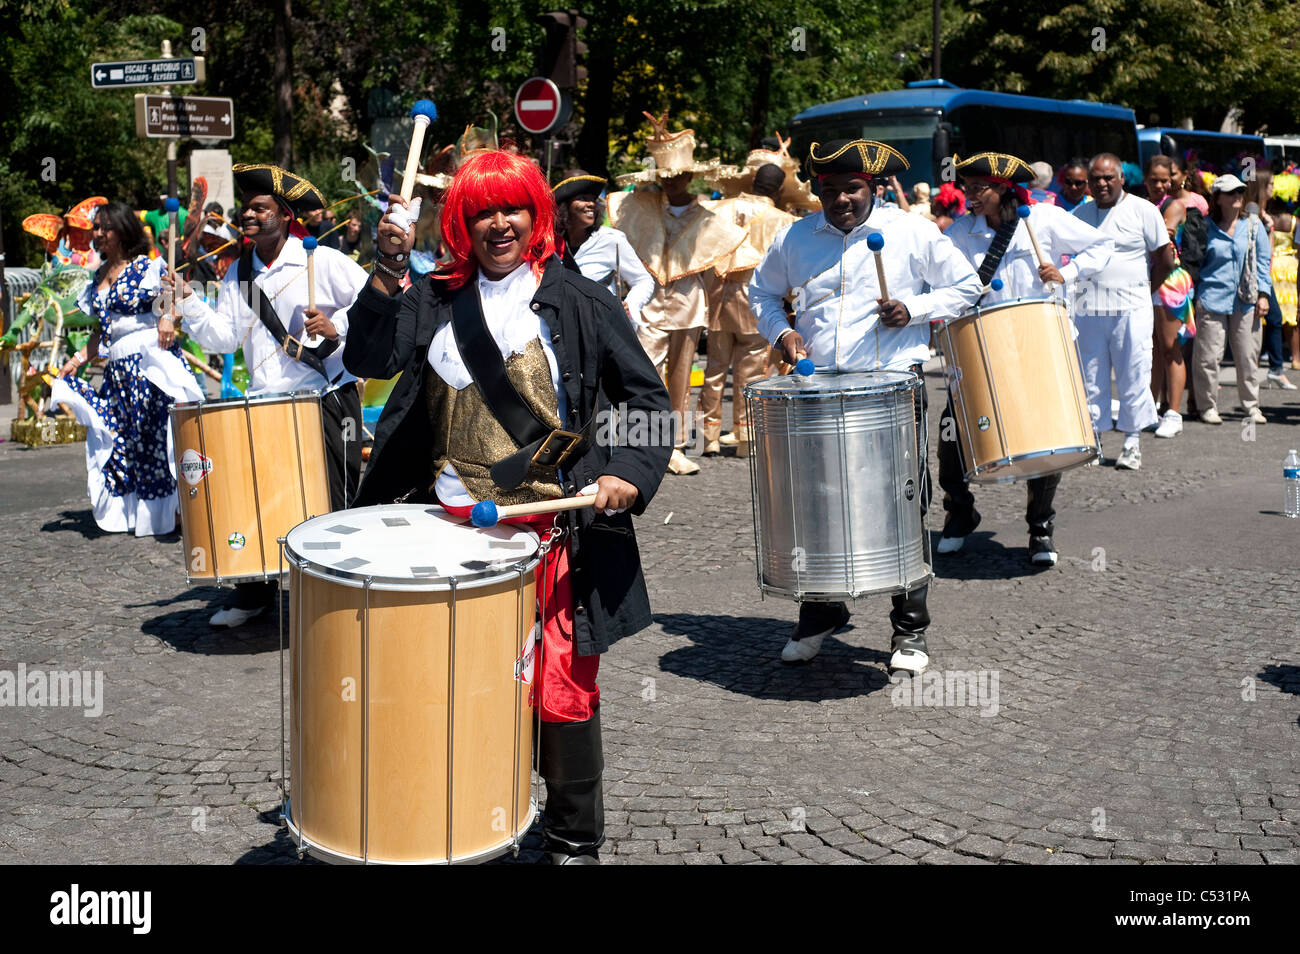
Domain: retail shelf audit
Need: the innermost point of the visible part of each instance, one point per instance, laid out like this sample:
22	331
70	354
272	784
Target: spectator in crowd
1171	303
1259	192
1232	297
1071	187
920	204
1186	187
948	206
1039	185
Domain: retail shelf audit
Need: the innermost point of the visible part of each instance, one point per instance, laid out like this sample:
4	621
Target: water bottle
1291	478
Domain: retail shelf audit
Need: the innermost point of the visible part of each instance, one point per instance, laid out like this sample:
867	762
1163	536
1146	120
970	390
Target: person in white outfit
1112	311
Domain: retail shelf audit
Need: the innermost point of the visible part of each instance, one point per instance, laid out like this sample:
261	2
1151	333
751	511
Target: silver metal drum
833	467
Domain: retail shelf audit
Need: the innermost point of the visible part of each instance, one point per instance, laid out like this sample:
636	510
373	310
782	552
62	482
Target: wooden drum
1017	391
411	658
249	469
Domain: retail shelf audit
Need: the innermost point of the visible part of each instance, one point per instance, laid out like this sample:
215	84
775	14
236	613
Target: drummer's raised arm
954	284
381	330
218	330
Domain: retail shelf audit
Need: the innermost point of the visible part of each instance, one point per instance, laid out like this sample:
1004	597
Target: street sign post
189	117
167	72
539	106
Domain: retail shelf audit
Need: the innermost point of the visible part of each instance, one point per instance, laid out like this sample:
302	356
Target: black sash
538	443
997	248
314	358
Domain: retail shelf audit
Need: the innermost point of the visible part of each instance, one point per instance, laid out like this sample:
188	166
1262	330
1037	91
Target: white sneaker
802	650
729	438
1171	425
234	616
1256	415
950	544
1130	458
1211	416
1277	379
909	660
679	463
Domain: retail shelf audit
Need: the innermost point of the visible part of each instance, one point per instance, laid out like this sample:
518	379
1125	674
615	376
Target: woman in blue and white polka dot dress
130	471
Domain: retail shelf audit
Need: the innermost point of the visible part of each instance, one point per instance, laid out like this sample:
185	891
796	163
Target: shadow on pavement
983	558
77	521
742	654
189	631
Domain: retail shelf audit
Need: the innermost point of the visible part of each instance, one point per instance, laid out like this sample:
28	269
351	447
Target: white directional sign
167	72
189	117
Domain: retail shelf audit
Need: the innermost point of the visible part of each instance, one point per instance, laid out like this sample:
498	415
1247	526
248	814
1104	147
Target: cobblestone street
1145	707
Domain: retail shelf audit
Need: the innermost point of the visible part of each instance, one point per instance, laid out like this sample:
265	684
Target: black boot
571	762
1039	514
910	618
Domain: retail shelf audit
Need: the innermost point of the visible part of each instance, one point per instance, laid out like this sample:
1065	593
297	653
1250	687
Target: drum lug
194	492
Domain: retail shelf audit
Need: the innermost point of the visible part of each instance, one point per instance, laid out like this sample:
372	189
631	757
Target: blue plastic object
875	241
484	514
172	204
310	243
805	367
996	284
1023	211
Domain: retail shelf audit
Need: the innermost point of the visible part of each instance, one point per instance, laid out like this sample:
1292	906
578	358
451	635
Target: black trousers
341	413
958	501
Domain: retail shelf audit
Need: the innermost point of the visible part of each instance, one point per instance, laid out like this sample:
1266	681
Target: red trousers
564	685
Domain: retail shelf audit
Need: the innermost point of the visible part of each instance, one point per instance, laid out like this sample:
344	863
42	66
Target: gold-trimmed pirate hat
863	157
673	154
995	165
568	189
264	179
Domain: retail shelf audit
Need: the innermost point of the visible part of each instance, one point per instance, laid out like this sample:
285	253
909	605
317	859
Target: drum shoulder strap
997	249
314	358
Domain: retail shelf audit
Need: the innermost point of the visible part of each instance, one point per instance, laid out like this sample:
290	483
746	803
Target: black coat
601	363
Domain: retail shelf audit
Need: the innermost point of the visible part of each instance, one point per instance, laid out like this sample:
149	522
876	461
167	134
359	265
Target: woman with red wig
502	338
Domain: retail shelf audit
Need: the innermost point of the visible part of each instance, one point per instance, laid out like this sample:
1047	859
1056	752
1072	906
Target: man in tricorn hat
844	324
262	307
677	240
993	241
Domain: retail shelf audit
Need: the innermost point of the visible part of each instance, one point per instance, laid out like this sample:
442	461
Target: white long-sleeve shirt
607	249
233	323
832	276
1059	233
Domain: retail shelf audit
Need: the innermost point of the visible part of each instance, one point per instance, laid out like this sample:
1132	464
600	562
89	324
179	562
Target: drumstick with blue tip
487	514
995	285
1024	212
875	242
309	244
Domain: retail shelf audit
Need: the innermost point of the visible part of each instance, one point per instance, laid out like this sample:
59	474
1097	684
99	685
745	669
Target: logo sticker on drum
236	540
524	663
982	423
194	466
909	489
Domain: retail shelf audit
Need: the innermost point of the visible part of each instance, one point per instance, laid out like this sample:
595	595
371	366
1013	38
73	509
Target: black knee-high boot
571	762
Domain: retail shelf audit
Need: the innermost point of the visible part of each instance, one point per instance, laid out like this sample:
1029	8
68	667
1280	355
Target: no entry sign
537	105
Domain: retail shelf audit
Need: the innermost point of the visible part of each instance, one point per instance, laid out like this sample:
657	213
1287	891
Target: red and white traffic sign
537	105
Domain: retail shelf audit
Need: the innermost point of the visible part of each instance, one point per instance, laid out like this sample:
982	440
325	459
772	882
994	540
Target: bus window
1032	136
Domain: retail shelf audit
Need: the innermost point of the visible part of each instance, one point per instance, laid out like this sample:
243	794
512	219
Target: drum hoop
979	310
499	572
980	474
275	398
759	391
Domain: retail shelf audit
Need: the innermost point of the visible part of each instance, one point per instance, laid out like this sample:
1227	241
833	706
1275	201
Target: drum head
823	384
409	546
271	397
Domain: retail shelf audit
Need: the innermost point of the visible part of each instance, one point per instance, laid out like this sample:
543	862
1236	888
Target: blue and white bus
929	121
1214	151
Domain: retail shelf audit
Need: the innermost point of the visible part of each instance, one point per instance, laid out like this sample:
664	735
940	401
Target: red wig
490	180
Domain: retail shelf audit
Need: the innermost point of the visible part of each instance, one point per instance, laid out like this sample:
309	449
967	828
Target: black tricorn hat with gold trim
569	189
861	157
995	165
294	191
